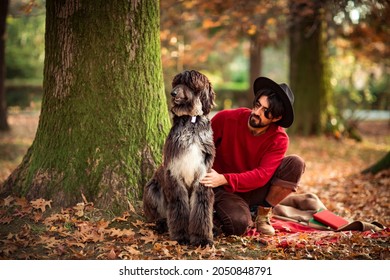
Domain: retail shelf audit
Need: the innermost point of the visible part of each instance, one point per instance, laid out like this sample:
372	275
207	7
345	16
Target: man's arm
251	179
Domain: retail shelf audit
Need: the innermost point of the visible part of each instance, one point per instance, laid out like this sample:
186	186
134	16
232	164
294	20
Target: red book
331	219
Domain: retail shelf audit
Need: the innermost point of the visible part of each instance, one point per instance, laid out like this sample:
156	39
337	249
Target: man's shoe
262	222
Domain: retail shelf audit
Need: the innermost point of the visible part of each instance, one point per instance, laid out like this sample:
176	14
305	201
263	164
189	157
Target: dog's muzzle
176	97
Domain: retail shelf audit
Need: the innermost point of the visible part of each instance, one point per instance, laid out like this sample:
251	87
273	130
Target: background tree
309	77
207	32
220	27
104	116
382	164
3	106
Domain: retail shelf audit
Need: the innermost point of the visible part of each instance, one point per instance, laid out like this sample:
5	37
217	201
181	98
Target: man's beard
255	121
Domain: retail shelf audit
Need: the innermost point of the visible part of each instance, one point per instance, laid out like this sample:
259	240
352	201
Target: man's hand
213	179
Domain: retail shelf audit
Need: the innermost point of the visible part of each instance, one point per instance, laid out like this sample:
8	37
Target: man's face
258	117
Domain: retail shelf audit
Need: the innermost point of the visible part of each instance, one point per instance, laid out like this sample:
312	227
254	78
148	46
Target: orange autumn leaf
123	218
114	232
208	23
37	216
49	242
102	224
149	236
111	255
138	223
7	201
41	204
21	201
132	249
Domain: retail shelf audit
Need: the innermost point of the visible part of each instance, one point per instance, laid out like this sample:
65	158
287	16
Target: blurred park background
341	78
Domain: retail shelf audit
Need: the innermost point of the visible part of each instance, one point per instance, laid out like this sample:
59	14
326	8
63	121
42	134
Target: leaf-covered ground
37	230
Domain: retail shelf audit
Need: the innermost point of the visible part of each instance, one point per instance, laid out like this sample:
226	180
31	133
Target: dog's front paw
161	226
201	241
183	241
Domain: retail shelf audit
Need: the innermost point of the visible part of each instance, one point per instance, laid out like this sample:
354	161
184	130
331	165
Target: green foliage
358	84
25	46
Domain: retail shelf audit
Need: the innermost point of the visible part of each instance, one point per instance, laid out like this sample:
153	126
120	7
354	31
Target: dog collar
193	119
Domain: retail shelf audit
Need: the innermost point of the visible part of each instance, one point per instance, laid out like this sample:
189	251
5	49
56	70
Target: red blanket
296	234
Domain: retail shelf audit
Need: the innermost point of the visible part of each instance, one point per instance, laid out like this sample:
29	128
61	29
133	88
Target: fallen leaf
7	201
111	255
123	218
102	224
37	216
21	201
5	220
133	249
114	232
79	209
138	223
74	243
41	204
49	241
149	236
204	251
131	207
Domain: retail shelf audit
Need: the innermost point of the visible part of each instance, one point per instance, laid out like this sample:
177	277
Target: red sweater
247	162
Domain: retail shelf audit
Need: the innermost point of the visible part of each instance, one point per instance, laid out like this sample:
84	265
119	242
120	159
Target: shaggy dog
174	194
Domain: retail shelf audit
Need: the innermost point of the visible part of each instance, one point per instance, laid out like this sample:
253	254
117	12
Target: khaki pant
232	210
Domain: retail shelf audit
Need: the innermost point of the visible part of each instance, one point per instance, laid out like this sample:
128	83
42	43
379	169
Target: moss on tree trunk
381	164
104	116
3	106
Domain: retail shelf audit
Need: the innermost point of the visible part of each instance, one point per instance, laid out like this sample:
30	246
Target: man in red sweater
250	168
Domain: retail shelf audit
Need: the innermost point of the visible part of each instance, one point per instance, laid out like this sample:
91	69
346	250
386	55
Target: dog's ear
207	98
177	80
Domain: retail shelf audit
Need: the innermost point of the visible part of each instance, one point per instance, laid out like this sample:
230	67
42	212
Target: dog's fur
174	193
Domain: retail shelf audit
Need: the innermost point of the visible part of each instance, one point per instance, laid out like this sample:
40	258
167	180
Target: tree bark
104	116
3	105
309	78
382	164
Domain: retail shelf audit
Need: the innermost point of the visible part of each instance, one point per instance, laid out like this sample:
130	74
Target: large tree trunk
104	116
309	79
3	106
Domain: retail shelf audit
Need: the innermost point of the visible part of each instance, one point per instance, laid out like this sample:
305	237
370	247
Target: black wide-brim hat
286	95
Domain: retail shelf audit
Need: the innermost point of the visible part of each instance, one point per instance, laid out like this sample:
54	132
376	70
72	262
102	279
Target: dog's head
192	94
